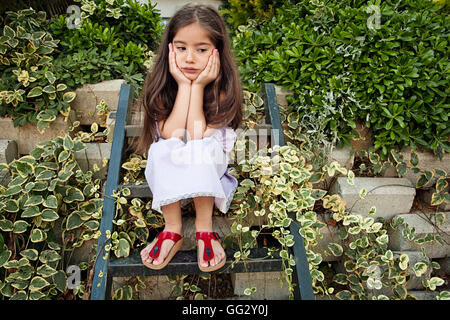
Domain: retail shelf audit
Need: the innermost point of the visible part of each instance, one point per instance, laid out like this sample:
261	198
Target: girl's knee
203	198
173	205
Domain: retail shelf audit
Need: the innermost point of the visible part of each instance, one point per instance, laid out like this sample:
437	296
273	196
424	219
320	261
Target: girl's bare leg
173	223
203	223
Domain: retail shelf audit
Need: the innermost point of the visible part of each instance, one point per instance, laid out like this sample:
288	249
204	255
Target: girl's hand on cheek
211	70
176	73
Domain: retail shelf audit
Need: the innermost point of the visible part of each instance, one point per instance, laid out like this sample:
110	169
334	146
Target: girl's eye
183	49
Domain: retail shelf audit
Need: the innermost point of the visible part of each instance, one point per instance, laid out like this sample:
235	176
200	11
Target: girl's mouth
189	70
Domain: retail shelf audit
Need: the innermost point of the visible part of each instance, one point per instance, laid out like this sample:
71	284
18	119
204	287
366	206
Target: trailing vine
274	182
48	208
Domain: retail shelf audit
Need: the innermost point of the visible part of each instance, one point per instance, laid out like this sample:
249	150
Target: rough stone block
414	256
427	161
85	253
344	156
221	225
94	154
267	285
110	124
137	112
168	8
365	141
330	235
7	129
5	178
445	265
135	118
413	282
8	150
27	137
90	95
390	196
424	295
423	225
426	194
281	94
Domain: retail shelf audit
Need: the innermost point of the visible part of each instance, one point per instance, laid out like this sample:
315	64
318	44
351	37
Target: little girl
192	101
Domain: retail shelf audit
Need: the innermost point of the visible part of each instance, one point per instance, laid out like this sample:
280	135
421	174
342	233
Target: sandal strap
165	235
206	237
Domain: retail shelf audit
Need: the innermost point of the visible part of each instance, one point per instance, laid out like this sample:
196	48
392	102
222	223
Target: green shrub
342	70
277	190
94	65
111	42
48	208
29	89
133	21
237	12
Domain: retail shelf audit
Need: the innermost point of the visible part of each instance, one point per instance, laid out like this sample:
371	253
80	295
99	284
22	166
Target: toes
219	254
217	259
165	249
145	253
203	263
148	260
213	261
145	257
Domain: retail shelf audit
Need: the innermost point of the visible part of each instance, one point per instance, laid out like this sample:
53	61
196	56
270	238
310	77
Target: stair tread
185	262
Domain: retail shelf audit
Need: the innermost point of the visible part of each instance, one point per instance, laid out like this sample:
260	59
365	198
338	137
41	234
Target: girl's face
192	48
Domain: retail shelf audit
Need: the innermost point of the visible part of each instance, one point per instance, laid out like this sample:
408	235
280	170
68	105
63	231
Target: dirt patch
218	286
420	206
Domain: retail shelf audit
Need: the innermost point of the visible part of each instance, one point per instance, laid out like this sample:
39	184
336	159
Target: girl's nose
189	56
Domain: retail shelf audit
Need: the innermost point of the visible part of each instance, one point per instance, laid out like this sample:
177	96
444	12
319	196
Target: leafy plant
238	12
277	188
111	42
30	90
47	192
370	269
436	179
342	70
92	66
134	21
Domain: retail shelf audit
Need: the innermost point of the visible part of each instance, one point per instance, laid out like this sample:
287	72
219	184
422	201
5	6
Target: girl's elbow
177	133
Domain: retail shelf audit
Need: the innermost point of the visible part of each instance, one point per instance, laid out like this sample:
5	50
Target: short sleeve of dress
227	138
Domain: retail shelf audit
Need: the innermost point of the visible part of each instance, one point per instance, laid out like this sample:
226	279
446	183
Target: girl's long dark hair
160	88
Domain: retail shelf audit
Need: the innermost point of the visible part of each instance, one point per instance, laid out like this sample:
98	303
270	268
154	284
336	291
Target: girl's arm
196	114
196	122
175	124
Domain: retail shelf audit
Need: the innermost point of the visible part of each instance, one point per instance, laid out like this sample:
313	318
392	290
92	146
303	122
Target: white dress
180	171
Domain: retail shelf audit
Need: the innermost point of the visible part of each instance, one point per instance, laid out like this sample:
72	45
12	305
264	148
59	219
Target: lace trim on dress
193	195
227	205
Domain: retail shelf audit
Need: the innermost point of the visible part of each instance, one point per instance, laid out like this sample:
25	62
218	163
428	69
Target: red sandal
208	253
156	250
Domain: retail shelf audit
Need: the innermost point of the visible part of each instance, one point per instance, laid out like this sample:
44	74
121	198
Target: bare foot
165	249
